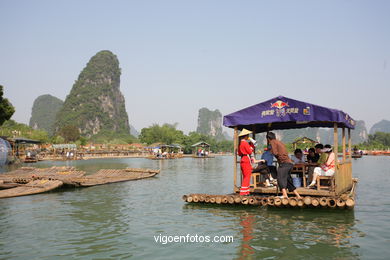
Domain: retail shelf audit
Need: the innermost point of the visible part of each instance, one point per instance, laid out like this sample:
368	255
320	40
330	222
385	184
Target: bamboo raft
30	180
343	202
32	187
106	176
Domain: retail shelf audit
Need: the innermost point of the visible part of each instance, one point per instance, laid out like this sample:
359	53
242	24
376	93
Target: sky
179	56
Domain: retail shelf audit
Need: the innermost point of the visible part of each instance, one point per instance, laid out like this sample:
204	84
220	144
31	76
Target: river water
123	220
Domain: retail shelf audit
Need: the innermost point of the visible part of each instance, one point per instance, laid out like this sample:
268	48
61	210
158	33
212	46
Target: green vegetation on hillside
6	108
44	111
95	102
11	128
168	134
377	141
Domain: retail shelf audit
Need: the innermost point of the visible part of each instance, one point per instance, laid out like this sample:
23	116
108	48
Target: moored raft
32	187
30	180
106	176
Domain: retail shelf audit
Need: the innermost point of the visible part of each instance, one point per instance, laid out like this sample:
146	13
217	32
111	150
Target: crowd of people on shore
320	161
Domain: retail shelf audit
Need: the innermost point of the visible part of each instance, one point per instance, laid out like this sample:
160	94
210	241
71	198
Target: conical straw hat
245	132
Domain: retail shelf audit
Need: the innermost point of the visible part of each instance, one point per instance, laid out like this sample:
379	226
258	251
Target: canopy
202	144
26	141
285	113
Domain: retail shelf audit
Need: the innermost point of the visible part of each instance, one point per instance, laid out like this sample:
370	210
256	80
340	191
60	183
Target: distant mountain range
95	104
381	126
44	111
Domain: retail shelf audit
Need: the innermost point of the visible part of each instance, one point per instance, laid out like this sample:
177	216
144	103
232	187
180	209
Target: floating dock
30	180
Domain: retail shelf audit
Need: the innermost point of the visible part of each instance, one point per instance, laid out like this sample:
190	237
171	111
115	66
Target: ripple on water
120	221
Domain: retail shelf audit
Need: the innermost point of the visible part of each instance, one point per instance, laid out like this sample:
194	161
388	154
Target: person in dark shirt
312	157
279	150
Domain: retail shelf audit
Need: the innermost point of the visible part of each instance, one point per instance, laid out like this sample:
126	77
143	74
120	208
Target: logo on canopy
280	109
279	104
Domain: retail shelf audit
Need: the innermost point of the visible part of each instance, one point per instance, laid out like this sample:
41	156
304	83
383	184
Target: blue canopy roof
285	113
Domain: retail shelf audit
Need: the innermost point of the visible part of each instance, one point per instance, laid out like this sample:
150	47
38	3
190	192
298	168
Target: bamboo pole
335	145
344	150
340	203
252	201
332	203
254	138
350	203
284	201
231	199
277	202
235	156
270	201
315	202
224	200
189	199
349	144
207	199
218	200
323	201
244	200
300	203
264	201
307	201
212	199
195	198
292	202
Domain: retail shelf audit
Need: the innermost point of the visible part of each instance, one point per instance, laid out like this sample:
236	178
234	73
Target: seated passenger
323	156
326	169
269	160
312	157
298	157
263	169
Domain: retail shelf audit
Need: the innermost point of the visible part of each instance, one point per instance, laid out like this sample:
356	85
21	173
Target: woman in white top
298	157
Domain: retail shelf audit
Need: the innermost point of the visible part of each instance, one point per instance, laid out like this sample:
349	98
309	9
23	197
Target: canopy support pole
235	141
349	144
335	144
254	138
344	151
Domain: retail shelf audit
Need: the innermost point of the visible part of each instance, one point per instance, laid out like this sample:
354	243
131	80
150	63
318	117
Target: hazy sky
179	56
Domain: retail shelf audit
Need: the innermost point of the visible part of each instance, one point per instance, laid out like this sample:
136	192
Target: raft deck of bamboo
346	201
329	200
30	180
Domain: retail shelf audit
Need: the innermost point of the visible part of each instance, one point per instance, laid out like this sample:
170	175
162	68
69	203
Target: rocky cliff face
210	123
95	103
360	133
44	111
382	126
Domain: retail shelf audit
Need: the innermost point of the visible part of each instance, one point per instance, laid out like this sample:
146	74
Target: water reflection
274	233
247	221
120	220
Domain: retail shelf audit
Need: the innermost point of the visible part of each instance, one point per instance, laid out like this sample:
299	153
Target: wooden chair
255	179
329	180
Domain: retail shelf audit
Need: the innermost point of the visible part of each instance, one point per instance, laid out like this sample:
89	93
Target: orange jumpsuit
245	150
